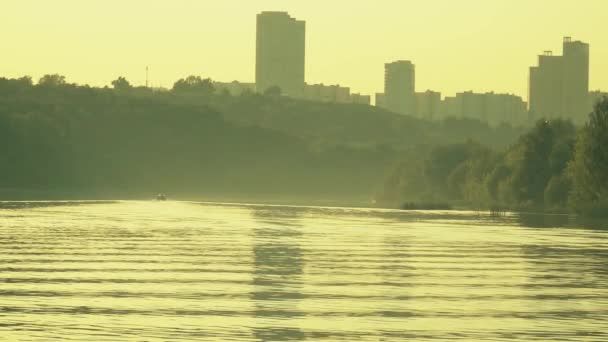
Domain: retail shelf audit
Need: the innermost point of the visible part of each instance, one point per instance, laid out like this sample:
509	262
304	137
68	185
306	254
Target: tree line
58	138
195	139
553	167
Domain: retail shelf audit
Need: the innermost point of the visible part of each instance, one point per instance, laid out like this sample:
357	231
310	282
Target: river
186	271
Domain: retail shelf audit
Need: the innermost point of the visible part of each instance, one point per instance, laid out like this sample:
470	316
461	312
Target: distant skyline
456	46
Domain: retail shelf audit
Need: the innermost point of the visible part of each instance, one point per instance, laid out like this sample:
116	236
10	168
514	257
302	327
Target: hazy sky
456	45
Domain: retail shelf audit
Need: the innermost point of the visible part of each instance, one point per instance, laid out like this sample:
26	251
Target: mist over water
185	271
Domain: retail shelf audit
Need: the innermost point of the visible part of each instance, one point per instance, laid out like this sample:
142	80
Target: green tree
536	159
405	182
443	160
589	169
26	81
194	84
273	91
121	84
54	80
556	192
498	176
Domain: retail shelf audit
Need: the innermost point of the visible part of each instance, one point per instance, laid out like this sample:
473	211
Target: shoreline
361	202
259	200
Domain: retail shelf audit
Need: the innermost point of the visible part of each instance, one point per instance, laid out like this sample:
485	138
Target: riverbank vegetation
196	140
554	167
125	139
133	141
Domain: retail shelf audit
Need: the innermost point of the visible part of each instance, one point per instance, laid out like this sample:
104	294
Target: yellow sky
479	45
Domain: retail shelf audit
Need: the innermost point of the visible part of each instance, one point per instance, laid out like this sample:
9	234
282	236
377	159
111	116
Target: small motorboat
161	197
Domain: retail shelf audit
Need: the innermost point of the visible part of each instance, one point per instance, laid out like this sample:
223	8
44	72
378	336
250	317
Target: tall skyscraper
559	85
280	53
546	87
400	87
575	79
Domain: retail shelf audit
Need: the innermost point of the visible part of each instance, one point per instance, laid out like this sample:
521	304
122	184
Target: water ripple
128	270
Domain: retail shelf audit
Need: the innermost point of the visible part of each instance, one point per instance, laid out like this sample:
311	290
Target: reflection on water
545	221
278	273
157	271
47	204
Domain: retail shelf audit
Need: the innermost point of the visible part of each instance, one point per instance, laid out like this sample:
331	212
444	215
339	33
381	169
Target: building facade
380	100
492	108
506	108
400	87
326	93
428	105
360	99
451	108
559	85
333	94
575	83
280	53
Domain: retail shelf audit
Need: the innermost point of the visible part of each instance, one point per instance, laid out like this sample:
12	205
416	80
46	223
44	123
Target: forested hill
58	140
347	124
355	124
100	141
329	123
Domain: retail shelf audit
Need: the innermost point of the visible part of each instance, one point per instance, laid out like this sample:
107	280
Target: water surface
183	271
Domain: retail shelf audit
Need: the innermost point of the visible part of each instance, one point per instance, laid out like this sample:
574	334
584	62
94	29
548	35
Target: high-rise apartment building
575	86
360	99
400	87
380	101
559	85
280	53
546	87
326	93
491	108
428	105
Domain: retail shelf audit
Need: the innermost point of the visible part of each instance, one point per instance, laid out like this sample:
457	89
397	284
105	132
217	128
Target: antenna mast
147	74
